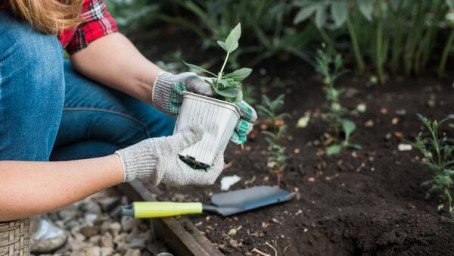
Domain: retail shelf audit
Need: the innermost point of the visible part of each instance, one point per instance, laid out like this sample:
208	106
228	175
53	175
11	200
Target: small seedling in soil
268	110
276	156
331	68
438	153
227	87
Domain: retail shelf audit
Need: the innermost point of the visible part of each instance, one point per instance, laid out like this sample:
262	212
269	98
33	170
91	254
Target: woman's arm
114	61
30	188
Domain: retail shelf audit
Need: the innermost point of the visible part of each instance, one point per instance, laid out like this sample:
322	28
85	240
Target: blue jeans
50	112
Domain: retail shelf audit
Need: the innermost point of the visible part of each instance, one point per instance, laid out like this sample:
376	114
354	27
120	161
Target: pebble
95	231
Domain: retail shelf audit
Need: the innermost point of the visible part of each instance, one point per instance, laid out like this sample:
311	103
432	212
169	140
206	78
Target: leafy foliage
228	87
398	35
438	153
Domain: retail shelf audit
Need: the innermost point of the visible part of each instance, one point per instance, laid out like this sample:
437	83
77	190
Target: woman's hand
156	160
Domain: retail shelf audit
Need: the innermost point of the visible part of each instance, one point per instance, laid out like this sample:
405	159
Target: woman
89	107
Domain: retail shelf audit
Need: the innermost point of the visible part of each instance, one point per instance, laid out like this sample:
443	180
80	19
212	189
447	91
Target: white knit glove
156	160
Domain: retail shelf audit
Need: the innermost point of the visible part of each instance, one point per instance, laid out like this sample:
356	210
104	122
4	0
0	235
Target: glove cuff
141	166
161	90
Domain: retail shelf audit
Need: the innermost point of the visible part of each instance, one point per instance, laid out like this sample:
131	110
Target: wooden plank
179	234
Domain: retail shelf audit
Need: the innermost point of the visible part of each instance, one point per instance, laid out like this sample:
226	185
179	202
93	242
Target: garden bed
368	202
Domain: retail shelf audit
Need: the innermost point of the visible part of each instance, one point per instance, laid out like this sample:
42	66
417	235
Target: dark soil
368	202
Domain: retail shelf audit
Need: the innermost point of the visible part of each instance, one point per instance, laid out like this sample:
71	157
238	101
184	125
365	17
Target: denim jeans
50	112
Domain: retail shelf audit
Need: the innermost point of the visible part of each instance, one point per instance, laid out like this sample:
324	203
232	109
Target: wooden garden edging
180	235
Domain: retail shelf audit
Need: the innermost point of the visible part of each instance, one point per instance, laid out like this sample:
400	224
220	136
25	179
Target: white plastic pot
217	117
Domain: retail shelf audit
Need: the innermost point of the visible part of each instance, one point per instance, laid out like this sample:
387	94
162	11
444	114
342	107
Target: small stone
369	123
311	179
401	112
404	147
91	207
89	230
128	223
68	213
106	240
115	228
90	217
94	240
106	251
93	251
132	252
395	121
232	232
108	203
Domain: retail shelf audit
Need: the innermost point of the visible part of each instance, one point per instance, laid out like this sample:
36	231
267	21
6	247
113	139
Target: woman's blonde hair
48	16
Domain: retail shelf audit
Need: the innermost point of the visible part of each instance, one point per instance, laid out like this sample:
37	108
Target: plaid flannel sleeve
97	22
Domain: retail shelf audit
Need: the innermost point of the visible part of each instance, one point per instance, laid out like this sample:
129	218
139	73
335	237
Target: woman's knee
31	90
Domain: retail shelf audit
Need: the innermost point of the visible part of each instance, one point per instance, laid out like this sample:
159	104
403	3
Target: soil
367	202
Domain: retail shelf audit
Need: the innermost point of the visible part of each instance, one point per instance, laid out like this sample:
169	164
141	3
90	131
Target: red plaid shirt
97	22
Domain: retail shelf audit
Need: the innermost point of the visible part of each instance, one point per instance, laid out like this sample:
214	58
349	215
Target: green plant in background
264	20
330	67
399	35
227	87
448	49
438	153
130	14
172	62
270	111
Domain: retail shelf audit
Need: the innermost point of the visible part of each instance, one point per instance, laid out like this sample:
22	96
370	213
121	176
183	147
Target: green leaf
450	3
354	146
197	68
348	127
333	149
229	92
339	11
231	43
239	74
366	8
304	14
304	120
320	16
222	44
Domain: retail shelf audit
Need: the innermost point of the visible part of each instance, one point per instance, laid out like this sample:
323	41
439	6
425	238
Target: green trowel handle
161	209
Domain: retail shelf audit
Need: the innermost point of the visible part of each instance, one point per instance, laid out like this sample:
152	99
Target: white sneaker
46	237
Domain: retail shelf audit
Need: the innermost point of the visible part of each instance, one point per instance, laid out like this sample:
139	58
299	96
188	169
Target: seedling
269	109
276	156
331	68
438	153
227	87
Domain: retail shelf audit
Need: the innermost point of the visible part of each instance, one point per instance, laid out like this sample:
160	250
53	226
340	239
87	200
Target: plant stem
222	69
327	40
397	40
444	58
354	39
379	50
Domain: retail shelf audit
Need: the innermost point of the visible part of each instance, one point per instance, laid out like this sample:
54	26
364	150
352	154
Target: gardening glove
245	123
168	97
156	160
168	90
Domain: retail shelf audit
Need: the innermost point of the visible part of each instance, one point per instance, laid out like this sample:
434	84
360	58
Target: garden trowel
224	204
